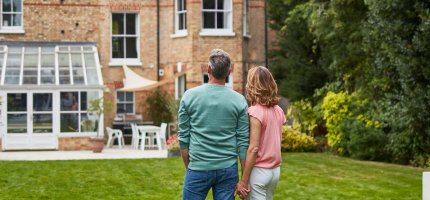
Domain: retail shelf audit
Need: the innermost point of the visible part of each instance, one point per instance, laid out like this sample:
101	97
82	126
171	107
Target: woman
263	159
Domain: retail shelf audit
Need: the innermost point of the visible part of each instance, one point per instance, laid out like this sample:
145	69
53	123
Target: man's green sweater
214	126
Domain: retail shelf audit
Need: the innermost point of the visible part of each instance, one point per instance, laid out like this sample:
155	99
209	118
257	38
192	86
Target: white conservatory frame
89	63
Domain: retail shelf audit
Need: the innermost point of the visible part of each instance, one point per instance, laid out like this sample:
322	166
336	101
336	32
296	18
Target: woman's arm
251	154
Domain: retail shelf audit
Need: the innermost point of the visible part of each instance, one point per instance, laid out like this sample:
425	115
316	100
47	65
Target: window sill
214	32
179	35
11	31
127	62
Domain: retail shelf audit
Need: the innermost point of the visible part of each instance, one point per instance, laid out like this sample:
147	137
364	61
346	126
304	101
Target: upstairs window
217	17
125	37
11	15
180	17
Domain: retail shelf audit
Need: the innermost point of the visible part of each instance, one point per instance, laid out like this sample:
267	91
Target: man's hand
242	189
185	157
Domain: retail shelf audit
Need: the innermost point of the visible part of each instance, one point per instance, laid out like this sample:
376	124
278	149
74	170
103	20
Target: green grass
303	176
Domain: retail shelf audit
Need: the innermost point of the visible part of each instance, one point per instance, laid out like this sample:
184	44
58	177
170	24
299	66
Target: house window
228	79
124	102
246	29
180	86
180	17
10	15
125	38
217	17
73	112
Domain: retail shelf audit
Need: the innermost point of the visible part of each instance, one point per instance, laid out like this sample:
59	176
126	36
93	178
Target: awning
134	82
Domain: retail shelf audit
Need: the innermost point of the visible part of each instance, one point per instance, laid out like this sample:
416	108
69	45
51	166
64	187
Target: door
30	121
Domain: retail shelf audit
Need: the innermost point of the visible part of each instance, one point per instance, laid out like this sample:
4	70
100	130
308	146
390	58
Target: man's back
213	122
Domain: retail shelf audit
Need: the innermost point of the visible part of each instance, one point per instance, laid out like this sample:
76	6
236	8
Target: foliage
174	108
379	49
99	106
306	118
303	176
173	143
295	141
158	107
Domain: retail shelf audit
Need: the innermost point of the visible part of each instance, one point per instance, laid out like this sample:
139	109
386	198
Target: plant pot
175	153
97	144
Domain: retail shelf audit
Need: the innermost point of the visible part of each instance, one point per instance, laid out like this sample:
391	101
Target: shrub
173	143
158	102
293	140
306	118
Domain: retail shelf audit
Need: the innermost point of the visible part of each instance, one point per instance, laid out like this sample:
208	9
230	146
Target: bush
295	141
158	110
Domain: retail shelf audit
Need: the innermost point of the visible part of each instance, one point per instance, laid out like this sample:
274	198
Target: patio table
150	129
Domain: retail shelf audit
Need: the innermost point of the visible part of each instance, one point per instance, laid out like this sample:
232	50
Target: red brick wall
74	143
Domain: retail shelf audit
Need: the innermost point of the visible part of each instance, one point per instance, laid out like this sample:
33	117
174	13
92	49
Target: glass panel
69	101
48	60
31	50
208	4
30	67
181	21
220	4
69	123
77	68
64	71
92	77
42	102
7	5
48	49
226	20
88	123
11	80
205	78
86	97
88	48
62	48
47	80
7	20
75	48
17	123
131	24
179	5
120	108
185	4
16	18
16	102
117	47
15	49
208	20
117	24
129	96
42	123
30	60
220	20
185	21
131	47
120	96
14	60
90	61
129	108
17	6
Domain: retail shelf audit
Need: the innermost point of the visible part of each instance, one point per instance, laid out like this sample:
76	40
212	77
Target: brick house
57	55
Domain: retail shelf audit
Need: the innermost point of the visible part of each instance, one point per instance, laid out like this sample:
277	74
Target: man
213	131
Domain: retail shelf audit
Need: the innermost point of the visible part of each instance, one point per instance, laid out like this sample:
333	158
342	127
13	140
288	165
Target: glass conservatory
45	90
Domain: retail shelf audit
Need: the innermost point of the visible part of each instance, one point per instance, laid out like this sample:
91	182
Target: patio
108	153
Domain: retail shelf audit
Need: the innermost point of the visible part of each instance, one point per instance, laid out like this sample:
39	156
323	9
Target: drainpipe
266	40
158	40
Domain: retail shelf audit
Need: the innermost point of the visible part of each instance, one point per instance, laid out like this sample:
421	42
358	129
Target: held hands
242	189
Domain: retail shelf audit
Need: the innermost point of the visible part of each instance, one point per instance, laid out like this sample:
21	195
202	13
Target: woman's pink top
271	119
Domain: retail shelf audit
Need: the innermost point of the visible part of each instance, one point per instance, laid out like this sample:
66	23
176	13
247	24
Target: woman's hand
242	189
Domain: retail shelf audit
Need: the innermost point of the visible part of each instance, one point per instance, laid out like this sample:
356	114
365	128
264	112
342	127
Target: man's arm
242	134
184	132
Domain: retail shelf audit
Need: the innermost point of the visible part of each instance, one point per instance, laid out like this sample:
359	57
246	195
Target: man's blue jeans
222	181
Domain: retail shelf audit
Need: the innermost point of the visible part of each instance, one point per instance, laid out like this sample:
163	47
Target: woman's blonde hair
261	88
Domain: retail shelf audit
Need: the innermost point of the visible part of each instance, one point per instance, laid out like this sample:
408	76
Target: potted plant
98	107
173	148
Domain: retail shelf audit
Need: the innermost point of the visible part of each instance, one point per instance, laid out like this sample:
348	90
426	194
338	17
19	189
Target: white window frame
12	29
125	102
180	32
125	61
228	84
218	31
245	31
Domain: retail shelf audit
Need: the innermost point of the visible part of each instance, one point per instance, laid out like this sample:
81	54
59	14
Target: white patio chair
137	137
160	137
114	134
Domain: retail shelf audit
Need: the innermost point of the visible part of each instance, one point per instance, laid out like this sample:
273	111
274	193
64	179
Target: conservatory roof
49	64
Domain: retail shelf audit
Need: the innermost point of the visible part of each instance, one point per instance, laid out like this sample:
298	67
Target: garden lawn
303	176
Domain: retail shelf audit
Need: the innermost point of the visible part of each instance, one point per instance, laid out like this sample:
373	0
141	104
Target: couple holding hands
216	126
